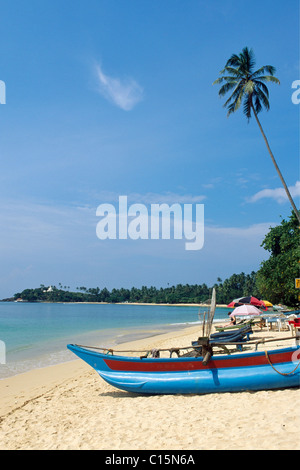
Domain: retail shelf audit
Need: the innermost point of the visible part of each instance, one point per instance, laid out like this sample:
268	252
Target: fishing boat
198	371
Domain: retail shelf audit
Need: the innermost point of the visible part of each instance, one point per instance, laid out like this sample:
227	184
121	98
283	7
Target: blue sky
115	97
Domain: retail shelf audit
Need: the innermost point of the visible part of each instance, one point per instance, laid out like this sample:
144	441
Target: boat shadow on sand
128	395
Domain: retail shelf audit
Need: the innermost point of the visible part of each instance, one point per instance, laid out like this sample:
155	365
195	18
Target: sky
110	98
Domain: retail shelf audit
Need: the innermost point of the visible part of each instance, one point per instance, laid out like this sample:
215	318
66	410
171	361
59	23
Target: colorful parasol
245	310
250	300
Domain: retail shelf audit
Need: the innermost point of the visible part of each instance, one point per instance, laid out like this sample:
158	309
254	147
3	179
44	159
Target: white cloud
123	93
167	197
278	194
249	232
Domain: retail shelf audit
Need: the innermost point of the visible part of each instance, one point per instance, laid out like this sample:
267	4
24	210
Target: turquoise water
36	334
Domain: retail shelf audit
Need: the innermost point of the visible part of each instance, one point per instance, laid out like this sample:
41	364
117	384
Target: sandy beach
68	406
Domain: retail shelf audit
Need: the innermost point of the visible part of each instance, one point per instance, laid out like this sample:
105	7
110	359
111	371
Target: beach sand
68	406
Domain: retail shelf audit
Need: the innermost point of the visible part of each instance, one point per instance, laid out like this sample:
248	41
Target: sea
35	335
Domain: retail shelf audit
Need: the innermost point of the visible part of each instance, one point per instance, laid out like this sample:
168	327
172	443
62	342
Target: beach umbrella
267	303
245	310
250	300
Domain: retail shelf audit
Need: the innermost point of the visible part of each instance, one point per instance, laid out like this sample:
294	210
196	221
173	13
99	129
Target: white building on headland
49	289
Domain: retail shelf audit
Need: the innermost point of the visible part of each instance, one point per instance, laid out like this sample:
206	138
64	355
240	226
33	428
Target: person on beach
232	320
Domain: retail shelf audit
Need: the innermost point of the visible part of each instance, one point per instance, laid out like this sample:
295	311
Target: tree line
236	286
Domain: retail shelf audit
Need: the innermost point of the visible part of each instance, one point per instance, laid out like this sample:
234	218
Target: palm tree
248	87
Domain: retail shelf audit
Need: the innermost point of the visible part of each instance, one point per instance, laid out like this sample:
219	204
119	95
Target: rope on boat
153	352
281	373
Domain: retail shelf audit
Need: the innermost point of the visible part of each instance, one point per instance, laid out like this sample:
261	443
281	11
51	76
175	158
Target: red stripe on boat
176	366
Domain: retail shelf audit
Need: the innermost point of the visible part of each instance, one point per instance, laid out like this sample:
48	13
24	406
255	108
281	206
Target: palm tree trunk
276	166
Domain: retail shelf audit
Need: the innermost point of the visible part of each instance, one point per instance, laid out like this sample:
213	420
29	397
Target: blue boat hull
232	373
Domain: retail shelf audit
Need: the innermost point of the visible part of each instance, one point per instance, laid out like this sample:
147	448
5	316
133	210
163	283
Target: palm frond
238	100
234	60
247	106
233	71
260	95
270	78
266	68
257	104
234	95
266	78
227	87
222	79
219	80
230	109
248	58
262	86
270	69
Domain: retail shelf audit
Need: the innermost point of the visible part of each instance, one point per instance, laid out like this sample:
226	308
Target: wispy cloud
278	194
254	231
167	197
124	93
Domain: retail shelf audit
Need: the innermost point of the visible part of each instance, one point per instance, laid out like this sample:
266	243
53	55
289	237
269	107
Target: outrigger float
199	370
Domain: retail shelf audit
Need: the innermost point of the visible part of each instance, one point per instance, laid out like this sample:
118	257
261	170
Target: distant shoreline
119	303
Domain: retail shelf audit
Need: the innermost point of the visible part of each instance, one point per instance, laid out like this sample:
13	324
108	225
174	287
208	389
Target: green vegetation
236	286
276	277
